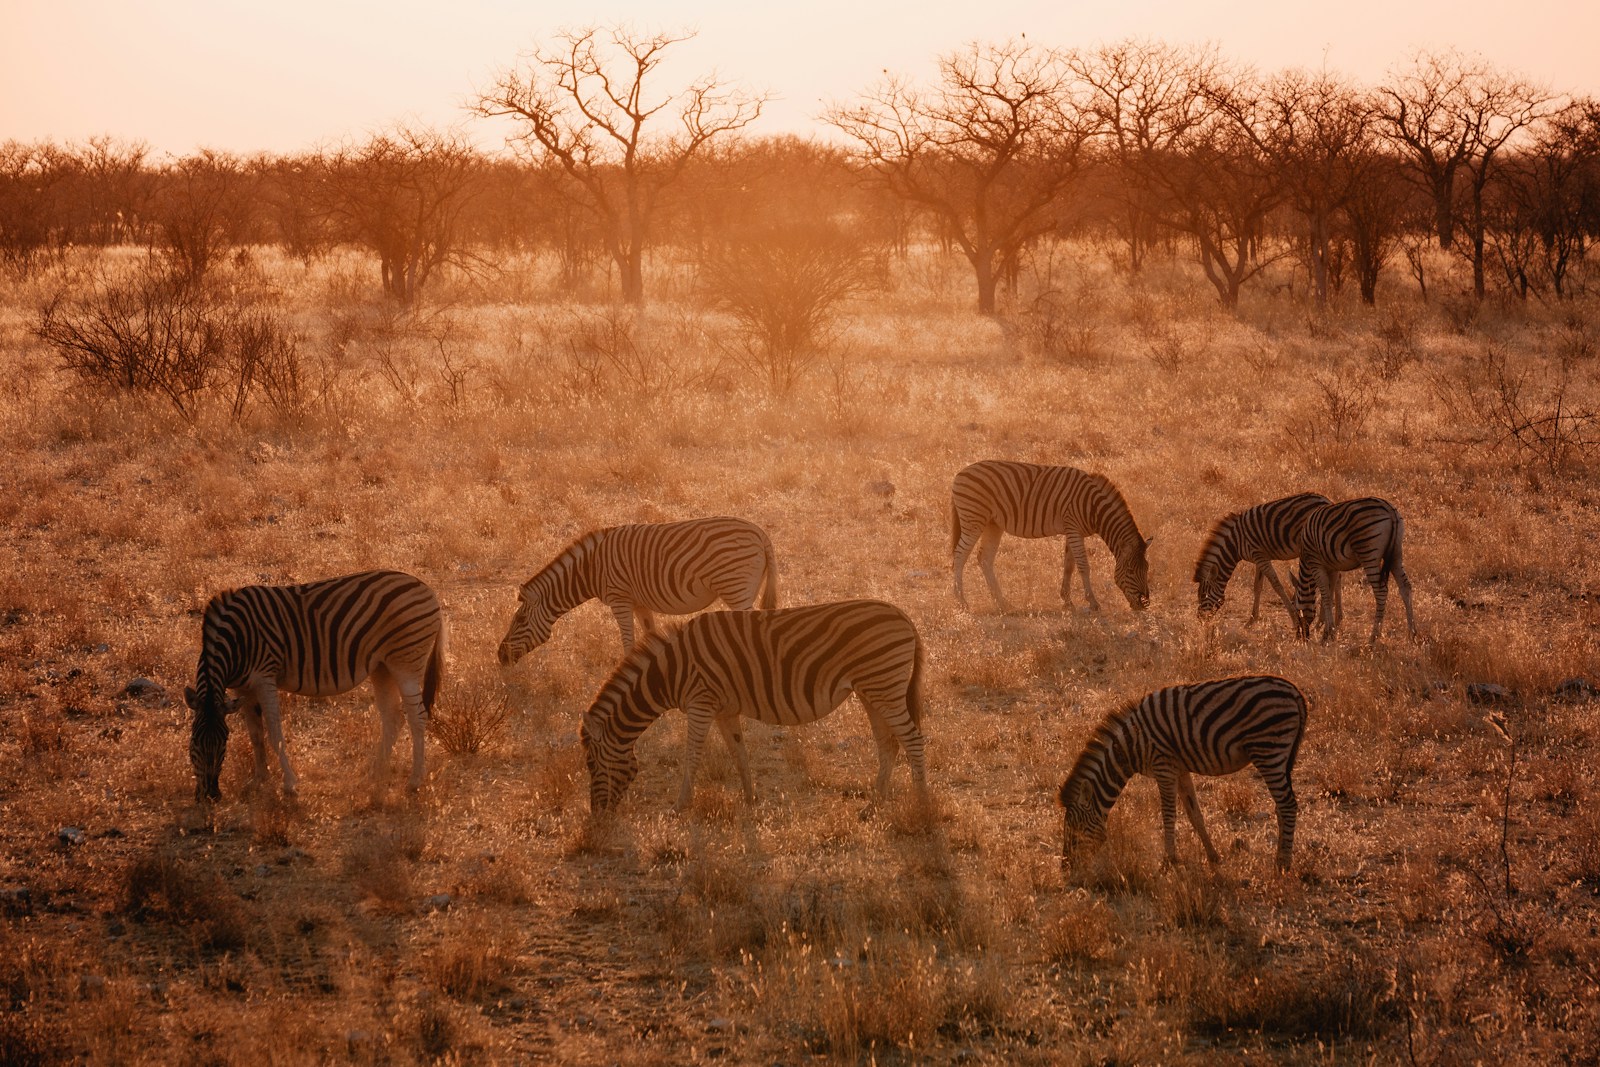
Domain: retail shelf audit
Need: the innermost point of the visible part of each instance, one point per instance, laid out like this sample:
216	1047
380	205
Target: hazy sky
281	75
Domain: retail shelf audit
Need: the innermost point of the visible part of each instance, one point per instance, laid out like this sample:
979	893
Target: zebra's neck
638	692
569	580
1112	756
1114	524
1222	550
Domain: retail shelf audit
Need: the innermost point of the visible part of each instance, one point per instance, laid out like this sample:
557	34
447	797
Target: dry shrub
474	957
163	888
1342	994
29	1038
1062	328
1083	930
471	715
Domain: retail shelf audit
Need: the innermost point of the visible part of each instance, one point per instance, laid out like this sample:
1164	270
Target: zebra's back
1213	727
1030	499
1348	534
679	567
325	637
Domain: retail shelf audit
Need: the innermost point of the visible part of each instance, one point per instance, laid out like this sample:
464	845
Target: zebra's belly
331	685
794	709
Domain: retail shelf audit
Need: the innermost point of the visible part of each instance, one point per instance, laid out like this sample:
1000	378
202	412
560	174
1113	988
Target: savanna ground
486	919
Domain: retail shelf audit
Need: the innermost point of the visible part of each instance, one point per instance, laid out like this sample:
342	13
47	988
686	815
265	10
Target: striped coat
783	667
675	568
317	639
1210	728
1257	535
992	497
1365	533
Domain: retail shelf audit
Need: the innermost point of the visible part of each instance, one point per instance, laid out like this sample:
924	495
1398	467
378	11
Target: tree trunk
1444	219
983	267
630	270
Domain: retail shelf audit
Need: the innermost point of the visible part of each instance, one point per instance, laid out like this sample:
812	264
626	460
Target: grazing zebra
1365	533
316	639
672	567
994	496
784	667
1260	535
1210	728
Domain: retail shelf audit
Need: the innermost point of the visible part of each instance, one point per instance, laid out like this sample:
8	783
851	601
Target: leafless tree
1453	115
1549	207
200	205
990	150
402	194
588	104
1313	131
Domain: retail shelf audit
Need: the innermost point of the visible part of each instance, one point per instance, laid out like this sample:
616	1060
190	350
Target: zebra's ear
190	699
1148	541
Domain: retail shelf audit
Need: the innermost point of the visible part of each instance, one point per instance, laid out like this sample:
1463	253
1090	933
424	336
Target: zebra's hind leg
1191	807
1380	596
624	615
734	738
958	560
417	720
1265	569
1281	786
386	694
1077	556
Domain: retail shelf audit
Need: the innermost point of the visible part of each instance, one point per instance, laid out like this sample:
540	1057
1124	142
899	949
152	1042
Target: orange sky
286	75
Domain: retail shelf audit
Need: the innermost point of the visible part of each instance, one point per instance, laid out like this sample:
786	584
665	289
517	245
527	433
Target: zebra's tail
434	673
769	584
914	688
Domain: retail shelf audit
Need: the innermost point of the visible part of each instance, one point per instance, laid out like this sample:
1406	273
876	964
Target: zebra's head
1210	586
1133	574
612	766
1083	823
530	626
208	740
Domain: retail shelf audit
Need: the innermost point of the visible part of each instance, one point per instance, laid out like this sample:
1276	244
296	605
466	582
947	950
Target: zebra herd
797	664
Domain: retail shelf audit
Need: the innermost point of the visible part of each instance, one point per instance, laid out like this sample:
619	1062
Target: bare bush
1535	414
784	288
615	351
472	715
1062	327
1393	350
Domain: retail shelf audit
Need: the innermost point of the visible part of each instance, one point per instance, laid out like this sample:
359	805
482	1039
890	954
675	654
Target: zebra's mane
1106	733
1210	547
574	551
1120	505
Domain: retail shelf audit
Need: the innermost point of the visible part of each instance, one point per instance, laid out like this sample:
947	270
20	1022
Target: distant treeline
1141	144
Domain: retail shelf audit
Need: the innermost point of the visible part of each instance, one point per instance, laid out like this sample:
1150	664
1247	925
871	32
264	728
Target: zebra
316	639
672	567
1365	533
1211	728
1259	534
785	667
994	496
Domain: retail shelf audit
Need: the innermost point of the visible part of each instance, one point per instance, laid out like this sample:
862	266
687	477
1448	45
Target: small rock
918	575
70	835
357	1039
438	902
1434	689
1488	693
719	1026
91	986
881	487
101	647
17	900
116	928
140	688
1577	691
111	831
262	870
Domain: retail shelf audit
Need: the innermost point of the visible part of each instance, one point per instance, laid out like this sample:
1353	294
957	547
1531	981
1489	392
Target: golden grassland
487	920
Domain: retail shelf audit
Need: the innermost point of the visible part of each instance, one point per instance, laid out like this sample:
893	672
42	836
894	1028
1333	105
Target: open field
471	440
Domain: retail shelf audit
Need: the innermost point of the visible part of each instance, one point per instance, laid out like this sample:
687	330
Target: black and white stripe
672	567
783	667
316	639
1257	535
1210	728
993	496
1365	533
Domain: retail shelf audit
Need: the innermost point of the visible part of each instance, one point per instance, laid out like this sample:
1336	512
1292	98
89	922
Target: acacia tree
402	194
1452	115
1312	131
588	105
989	151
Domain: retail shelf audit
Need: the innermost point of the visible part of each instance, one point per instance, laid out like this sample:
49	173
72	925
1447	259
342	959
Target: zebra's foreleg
1167	785
250	709
267	699
624	615
1265	569
700	718
988	546
1077	556
733	736
1191	807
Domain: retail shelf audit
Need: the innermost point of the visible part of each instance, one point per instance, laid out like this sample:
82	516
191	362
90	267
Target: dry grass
487	920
